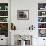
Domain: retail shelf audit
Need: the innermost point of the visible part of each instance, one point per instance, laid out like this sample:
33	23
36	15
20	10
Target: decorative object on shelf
43	13
41	6
4	29
41	25
13	27
31	27
3	13
42	32
6	7
23	14
4	26
41	19
2	6
3	19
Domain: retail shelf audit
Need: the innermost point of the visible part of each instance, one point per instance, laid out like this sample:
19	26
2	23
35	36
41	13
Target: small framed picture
23	14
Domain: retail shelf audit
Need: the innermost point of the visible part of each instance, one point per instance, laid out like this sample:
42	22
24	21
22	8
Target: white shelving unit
3	16
41	22
3	10
42	10
4	22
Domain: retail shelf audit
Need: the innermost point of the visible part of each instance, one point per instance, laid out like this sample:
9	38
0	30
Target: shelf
41	10
41	28
41	22
3	22
42	16
3	10
3	16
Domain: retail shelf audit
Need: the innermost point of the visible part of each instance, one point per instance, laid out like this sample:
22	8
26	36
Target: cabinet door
40	42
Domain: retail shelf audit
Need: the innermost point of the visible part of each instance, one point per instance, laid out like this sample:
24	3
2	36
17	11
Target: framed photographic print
23	14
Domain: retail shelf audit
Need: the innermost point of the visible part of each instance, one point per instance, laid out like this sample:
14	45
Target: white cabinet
41	41
42	24
3	40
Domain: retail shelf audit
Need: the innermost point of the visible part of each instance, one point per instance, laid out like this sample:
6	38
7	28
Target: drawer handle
1	39
43	39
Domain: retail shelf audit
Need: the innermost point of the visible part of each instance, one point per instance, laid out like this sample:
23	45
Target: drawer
3	41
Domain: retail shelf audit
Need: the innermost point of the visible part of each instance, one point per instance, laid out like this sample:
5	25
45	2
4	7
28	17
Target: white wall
32	6
24	5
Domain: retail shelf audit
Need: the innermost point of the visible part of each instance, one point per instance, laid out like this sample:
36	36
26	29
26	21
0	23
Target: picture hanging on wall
23	14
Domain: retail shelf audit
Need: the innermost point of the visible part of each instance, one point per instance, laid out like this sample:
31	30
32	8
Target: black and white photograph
22	14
